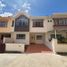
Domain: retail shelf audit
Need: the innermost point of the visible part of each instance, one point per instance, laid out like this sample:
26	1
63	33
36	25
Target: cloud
27	11
14	6
19	9
26	7
6	14
2	4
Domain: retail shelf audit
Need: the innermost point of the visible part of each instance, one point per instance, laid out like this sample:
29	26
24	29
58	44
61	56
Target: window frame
20	36
22	22
39	37
3	24
37	23
50	20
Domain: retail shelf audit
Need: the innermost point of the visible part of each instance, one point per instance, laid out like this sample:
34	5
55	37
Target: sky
32	7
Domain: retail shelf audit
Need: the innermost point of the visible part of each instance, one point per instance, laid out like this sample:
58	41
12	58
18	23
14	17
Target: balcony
24	29
60	27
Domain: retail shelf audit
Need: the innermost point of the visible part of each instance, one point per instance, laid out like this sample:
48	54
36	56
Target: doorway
4	35
37	38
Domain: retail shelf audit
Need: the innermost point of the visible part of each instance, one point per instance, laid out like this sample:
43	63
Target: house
27	30
6	27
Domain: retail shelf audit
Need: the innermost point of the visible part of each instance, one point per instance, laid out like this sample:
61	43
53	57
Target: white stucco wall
24	41
59	47
47	42
48	26
15	47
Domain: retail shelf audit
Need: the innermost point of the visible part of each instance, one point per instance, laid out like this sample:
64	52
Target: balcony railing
21	28
59	25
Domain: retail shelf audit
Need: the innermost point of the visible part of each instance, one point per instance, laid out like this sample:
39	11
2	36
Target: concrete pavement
33	60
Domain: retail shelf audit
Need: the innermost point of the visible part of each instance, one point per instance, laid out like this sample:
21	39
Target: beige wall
58	47
7	29
47	42
24	41
48	26
15	47
53	45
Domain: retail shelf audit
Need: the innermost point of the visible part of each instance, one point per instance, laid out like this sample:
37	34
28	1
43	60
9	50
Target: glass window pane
20	36
38	23
39	37
3	24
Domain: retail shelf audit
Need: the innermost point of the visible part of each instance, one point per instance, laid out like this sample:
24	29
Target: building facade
26	29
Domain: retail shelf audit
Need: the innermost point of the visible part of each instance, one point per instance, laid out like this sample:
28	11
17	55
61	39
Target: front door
32	39
39	39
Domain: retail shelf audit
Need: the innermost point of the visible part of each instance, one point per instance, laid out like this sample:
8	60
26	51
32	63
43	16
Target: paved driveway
37	48
33	60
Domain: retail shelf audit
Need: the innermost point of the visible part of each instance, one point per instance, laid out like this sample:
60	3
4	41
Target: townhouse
28	30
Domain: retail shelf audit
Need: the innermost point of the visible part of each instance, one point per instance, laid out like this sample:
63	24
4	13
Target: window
22	21
3	24
65	22
60	21
59	36
20	36
49	20
39	37
7	35
38	23
12	23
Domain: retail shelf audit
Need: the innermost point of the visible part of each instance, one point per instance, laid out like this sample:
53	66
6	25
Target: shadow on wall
2	47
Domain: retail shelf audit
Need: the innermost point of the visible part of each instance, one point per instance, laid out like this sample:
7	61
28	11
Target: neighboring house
26	29
6	27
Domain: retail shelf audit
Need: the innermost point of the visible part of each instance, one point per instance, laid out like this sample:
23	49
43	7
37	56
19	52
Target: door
32	39
39	39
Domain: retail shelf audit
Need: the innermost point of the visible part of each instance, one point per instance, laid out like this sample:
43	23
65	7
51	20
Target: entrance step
36	48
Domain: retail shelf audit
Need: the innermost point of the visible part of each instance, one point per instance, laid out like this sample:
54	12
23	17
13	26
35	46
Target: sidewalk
33	60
